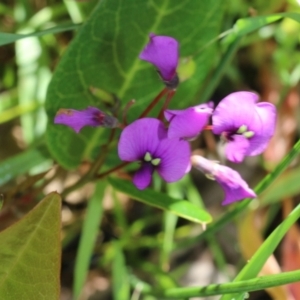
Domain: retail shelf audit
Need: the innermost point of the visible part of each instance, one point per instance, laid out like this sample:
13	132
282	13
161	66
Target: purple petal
237	148
232	183
264	128
235	188
162	52
92	116
139	137
188	123
142	177
204	165
175	159
233	111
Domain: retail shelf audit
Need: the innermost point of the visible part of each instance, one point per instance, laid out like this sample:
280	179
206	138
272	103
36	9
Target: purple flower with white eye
92	116
163	53
246	125
233	185
145	140
188	123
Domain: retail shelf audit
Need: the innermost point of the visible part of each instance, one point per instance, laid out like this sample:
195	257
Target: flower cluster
162	144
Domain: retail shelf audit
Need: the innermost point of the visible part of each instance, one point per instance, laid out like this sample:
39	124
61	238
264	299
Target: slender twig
153	103
208	127
166	104
114	169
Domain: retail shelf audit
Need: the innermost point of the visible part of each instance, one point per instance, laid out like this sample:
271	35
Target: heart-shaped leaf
104	55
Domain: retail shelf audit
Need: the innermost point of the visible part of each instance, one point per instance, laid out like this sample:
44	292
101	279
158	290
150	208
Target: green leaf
88	237
22	163
256	263
182	208
245	26
104	55
7	38
30	254
120	278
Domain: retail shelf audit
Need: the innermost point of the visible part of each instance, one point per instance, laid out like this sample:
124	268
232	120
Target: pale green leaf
30	254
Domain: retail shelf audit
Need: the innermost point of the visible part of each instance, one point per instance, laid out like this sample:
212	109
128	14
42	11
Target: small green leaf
30	254
245	26
88	237
182	208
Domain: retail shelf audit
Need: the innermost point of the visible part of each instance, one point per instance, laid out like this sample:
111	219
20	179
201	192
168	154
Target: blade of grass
240	285
120	278
17	111
254	284
8	38
256	263
170	221
89	232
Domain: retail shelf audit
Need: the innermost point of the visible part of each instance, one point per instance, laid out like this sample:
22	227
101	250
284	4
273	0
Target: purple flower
188	123
92	116
162	52
246	125
145	140
233	185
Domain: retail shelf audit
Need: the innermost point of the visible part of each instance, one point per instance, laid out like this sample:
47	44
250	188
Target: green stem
263	185
114	169
166	104
255	284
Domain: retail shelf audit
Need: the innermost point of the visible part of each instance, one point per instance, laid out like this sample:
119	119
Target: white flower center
244	131
154	161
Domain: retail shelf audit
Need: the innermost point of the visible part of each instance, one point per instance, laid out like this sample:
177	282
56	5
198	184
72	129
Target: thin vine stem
166	104
153	103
